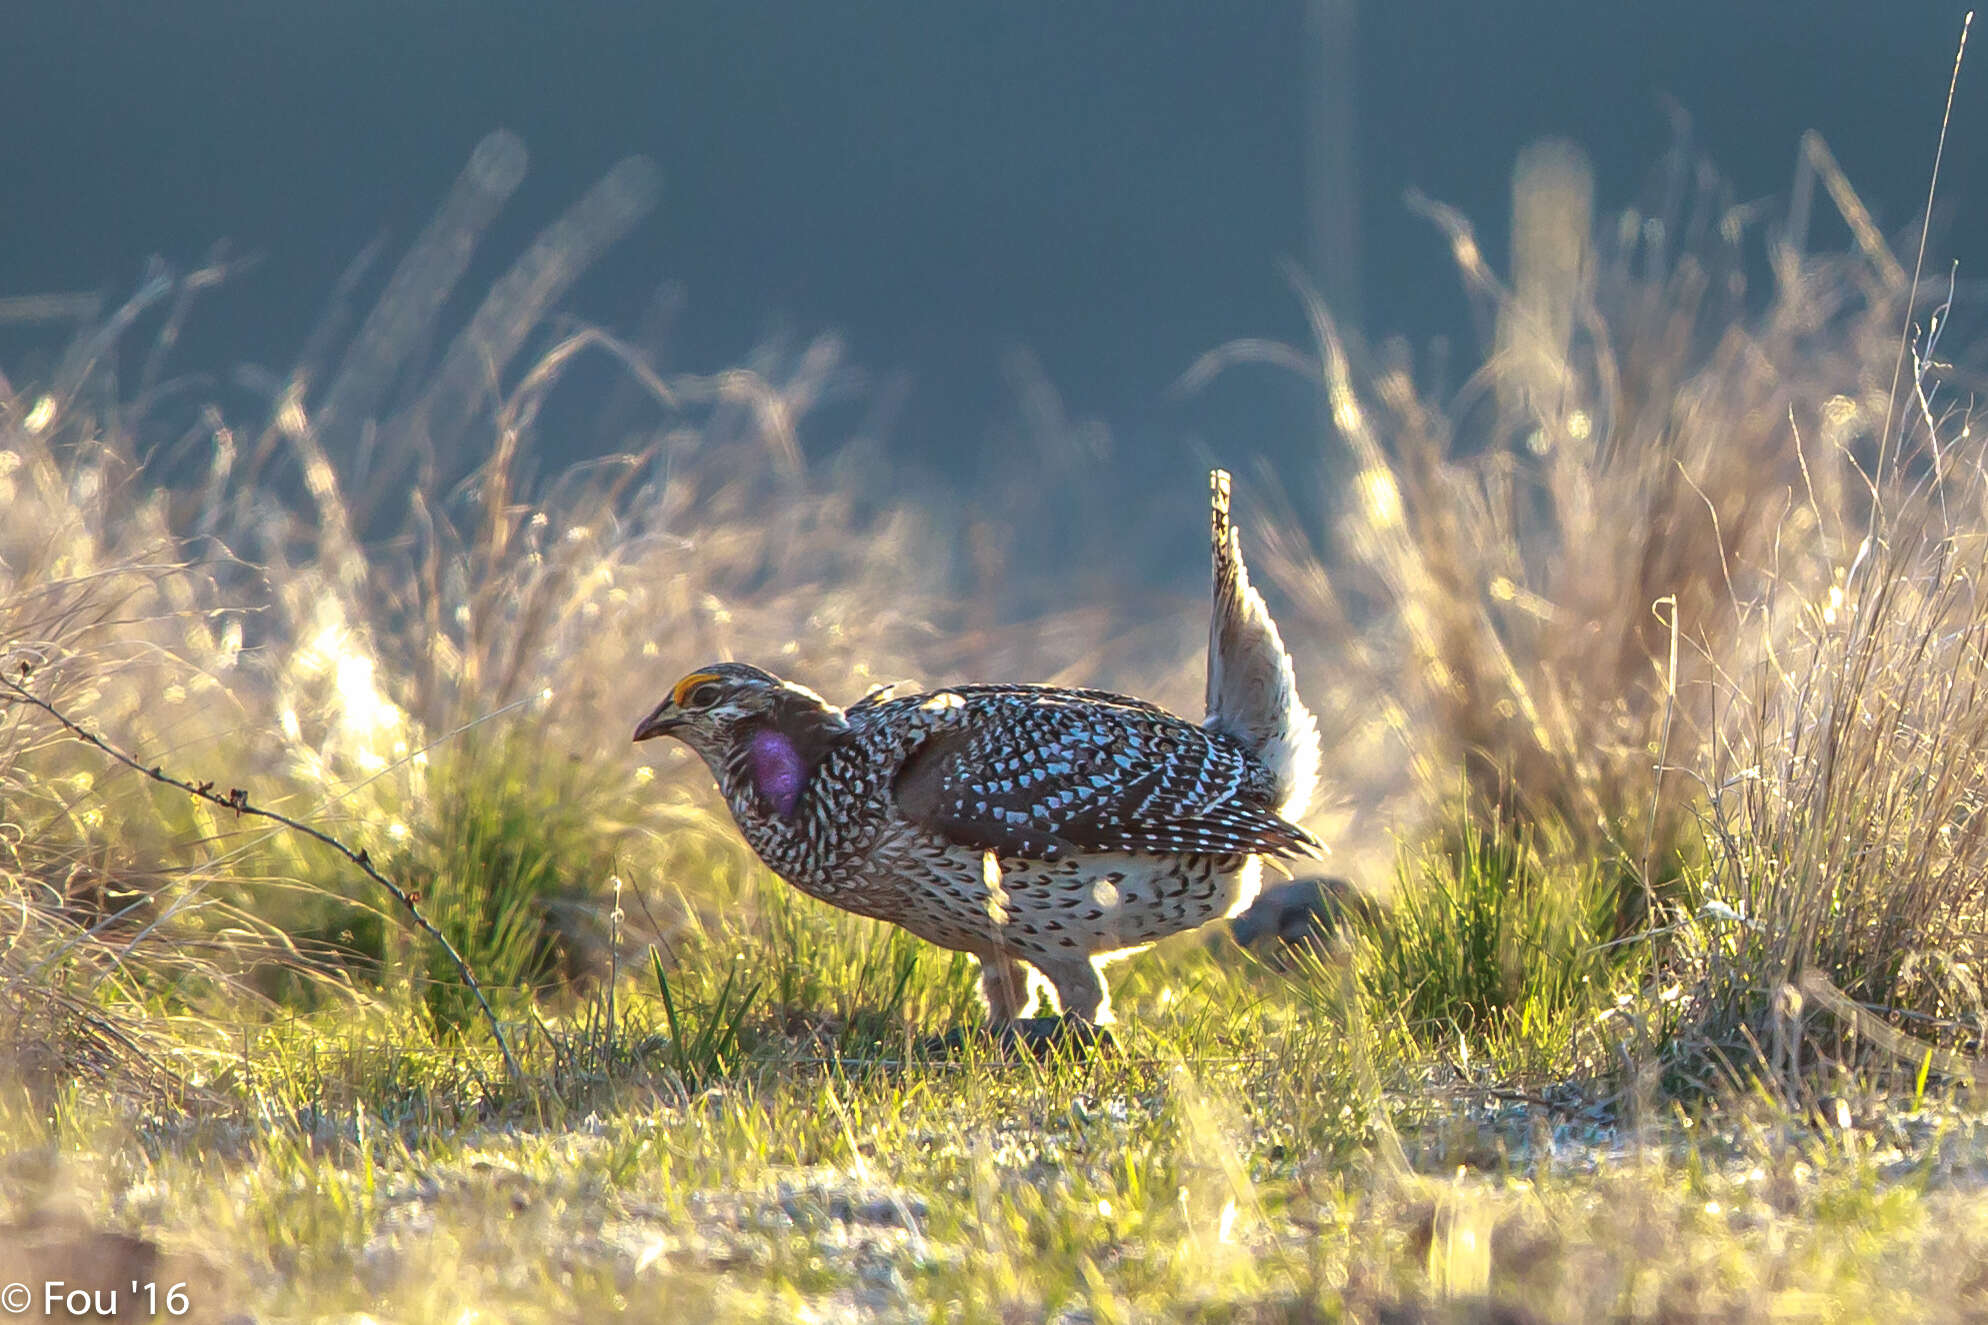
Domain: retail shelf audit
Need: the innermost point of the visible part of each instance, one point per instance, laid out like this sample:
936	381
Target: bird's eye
701	696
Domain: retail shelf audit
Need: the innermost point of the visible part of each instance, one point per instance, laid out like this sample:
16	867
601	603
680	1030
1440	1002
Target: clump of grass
1499	949
111	887
710	1048
1546	568
1847	800
1684	593
63	1025
502	841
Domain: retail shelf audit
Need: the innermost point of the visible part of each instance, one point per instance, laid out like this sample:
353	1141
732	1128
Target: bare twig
237	799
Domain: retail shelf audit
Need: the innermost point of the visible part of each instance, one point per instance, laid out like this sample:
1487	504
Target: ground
1225	1161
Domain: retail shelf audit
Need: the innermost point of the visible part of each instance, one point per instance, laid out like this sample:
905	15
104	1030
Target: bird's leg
1011	989
1004	983
1081	991
1006	988
1086	1006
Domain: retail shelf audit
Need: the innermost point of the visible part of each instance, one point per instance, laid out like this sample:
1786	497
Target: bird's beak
662	722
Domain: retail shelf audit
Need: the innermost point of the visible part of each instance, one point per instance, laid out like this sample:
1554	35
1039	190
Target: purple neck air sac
777	770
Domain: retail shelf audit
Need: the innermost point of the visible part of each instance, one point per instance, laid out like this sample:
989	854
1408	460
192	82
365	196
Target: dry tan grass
361	607
1846	798
1681	581
1551	573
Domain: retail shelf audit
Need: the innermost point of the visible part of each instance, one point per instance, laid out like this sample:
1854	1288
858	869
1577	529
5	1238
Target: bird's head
714	706
751	727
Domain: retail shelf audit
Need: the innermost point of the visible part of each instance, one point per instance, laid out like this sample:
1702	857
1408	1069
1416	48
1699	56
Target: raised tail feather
1252	688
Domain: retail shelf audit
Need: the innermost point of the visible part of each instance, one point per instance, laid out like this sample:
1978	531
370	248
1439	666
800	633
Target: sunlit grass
1498	951
1228	1164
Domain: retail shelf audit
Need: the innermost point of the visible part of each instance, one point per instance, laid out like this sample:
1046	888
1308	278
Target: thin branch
237	799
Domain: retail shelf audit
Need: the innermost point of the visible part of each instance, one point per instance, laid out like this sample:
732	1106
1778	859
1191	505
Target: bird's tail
1252	688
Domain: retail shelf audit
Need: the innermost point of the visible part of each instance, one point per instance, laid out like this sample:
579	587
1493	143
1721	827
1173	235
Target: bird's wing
1055	694
1041	774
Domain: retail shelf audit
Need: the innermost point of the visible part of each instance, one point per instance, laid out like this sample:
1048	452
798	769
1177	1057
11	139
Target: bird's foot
1047	1036
1040	1037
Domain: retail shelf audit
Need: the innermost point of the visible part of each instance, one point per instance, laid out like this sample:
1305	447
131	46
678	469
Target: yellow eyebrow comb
683	686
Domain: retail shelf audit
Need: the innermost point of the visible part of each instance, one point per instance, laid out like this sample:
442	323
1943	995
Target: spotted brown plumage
1043	773
1035	827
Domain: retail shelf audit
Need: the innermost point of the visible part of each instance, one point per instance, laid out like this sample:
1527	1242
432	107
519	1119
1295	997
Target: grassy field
1654	681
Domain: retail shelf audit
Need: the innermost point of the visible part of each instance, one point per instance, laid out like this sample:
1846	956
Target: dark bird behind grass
1045	830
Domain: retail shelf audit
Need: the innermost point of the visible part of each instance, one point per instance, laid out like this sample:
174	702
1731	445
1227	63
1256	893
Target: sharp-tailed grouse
1032	826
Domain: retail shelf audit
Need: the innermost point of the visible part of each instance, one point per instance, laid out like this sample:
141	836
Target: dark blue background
1111	186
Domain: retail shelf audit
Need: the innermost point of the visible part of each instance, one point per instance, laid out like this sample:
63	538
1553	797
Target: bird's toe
1040	1038
1044	1037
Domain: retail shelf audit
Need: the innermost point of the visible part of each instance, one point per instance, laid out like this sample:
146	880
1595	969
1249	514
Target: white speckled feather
1252	687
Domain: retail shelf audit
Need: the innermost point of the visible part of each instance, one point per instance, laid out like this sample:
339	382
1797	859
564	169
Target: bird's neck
767	773
764	774
774	837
